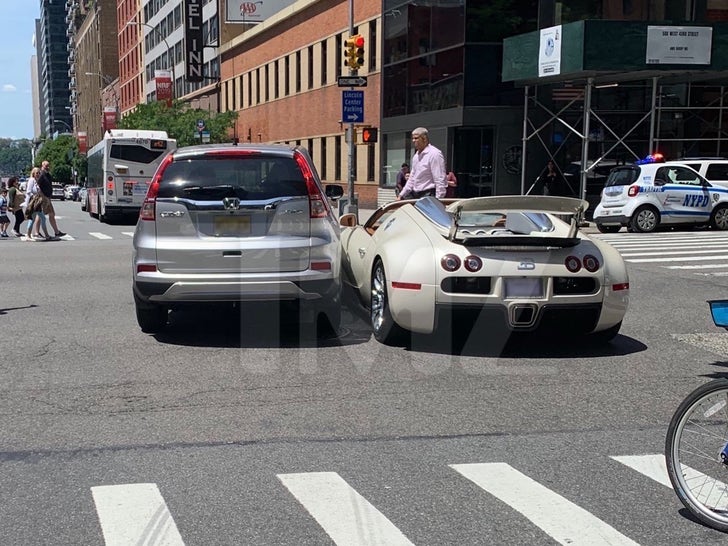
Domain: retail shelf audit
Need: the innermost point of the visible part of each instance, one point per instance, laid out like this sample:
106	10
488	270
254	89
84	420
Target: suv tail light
633	191
318	205
148	211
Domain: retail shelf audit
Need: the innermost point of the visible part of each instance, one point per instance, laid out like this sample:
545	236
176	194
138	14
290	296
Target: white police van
646	195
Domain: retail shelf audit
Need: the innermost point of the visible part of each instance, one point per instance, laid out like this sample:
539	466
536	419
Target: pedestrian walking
15	203
427	172
45	183
4	220
34	210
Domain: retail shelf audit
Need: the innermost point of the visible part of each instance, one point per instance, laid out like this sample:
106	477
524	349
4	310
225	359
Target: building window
337	158
324	164
266	85
298	71
324	63
287	77
309	63
370	162
371	45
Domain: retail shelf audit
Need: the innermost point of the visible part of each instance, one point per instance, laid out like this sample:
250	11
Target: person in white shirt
427	169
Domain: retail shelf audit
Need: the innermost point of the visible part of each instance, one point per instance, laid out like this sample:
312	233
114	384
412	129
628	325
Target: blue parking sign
352	106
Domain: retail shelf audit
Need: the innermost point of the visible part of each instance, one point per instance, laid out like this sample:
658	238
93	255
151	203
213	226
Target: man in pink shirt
427	169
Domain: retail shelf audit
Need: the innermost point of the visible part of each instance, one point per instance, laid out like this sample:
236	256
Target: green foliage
180	121
62	153
15	156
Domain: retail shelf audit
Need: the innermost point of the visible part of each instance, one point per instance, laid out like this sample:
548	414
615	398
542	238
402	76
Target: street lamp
70	129
169	51
104	78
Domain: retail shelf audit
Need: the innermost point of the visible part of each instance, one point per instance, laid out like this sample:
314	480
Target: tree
15	156
180	121
60	153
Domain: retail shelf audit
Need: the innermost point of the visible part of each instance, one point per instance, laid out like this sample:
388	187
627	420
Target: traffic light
369	135
354	52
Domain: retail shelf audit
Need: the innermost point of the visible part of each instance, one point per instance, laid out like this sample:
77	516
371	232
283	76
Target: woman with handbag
16	199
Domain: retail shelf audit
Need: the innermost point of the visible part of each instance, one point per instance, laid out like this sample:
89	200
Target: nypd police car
644	196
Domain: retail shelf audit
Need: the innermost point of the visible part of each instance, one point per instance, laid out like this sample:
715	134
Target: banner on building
163	84
82	142
194	41
247	11
679	45
549	53
109	121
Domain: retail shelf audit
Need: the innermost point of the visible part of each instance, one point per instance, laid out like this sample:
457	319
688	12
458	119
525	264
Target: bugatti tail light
591	263
572	263
450	262
473	263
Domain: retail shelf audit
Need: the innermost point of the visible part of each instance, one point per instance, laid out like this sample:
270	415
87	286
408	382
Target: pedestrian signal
354	51
369	135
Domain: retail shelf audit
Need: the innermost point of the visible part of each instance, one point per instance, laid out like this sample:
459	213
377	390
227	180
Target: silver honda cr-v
229	223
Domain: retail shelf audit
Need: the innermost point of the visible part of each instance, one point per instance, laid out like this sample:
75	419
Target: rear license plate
232	226
523	288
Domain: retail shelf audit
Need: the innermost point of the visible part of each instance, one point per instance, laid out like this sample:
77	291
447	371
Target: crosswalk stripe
653	466
671	251
654	246
128	233
99	235
135	514
698	266
561	519
346	516
677	259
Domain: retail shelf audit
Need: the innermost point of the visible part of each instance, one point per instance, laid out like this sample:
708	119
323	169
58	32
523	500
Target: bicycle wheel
696	452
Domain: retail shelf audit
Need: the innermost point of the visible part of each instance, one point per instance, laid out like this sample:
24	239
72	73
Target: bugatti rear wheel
385	329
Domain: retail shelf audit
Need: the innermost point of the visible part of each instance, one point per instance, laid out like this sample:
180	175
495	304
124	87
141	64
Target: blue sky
16	49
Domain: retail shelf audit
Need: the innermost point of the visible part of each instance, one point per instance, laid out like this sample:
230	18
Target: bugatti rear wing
519	242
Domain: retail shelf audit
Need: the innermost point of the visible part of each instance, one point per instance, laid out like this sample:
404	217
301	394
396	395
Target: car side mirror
348	220
334	191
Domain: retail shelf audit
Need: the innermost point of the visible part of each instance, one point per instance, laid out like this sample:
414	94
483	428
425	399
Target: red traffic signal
369	135
354	51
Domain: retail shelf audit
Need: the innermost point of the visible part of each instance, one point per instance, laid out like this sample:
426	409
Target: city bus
120	169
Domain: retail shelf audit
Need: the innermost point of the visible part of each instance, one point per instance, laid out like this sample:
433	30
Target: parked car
227	223
71	192
507	261
645	196
595	179
83	198
58	192
713	169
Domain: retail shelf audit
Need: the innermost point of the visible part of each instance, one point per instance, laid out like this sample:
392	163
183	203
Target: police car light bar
652	158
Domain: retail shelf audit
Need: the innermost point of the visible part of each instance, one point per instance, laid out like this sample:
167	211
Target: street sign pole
351	206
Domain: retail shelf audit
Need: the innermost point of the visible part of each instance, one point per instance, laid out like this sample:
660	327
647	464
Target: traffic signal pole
351	206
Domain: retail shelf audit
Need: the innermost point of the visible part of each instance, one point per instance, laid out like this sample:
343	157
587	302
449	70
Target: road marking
652	466
558	517
135	514
129	233
346	516
706	489
671	251
676	259
698	266
99	235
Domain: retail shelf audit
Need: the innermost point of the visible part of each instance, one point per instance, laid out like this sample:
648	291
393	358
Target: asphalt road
246	435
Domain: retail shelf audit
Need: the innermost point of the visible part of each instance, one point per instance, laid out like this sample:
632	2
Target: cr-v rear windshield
623	176
251	178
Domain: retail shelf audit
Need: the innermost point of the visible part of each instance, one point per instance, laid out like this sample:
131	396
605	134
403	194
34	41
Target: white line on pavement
129	233
135	514
677	259
346	516
99	235
653	466
558	517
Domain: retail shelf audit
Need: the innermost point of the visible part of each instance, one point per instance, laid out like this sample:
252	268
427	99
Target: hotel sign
194	41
